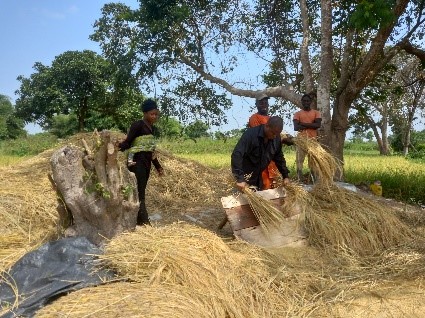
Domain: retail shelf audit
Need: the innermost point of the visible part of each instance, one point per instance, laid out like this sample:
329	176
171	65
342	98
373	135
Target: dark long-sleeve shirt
252	155
140	128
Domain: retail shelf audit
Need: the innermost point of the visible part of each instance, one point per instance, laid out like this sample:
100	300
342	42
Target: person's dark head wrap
148	105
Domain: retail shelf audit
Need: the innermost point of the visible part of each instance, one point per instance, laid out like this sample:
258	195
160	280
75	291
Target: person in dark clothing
141	143
257	147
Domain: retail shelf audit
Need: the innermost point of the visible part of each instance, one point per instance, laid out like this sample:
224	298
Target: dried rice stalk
267	214
296	199
28	214
126	299
321	162
343	219
184	255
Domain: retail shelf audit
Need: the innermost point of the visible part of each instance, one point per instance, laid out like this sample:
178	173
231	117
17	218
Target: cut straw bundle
342	219
268	215
28	215
322	164
296	199
188	256
125	299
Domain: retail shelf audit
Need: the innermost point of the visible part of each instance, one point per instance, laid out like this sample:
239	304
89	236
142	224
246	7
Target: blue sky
39	30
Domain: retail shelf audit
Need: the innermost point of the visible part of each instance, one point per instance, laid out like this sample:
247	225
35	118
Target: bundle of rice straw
322	164
296	199
268	215
126	299
28	215
345	220
183	255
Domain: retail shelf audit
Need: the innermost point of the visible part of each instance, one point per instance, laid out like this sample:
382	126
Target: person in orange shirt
306	122
261	117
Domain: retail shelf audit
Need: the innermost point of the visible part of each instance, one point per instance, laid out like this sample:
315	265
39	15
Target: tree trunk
385	149
100	193
324	83
82	113
339	127
406	141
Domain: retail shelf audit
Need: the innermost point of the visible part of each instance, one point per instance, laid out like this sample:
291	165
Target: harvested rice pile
344	220
185	255
125	299
28	214
185	183
185	271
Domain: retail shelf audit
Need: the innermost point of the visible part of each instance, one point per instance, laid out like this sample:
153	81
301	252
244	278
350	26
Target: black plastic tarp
54	269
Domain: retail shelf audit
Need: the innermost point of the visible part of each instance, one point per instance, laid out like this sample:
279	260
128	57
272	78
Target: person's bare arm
315	125
297	125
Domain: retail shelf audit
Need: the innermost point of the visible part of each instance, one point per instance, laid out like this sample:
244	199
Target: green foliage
28	146
126	191
80	83
417	139
372	14
196	129
165	40
63	125
203	146
169	127
92	185
11	127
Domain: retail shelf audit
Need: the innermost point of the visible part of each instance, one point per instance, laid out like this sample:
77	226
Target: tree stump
97	189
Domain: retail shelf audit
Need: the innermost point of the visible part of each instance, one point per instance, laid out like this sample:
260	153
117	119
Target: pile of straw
185	183
28	214
341	219
184	271
125	299
183	255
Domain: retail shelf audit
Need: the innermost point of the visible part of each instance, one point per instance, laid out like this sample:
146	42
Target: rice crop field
7	160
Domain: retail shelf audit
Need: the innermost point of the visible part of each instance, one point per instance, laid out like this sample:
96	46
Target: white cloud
54	15
73	9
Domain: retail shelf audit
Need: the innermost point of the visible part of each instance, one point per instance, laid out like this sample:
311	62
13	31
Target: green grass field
402	179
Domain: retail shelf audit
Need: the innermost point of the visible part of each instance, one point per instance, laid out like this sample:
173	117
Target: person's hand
288	140
286	181
160	172
241	185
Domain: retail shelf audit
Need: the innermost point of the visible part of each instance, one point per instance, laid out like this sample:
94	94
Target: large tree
411	79
191	48
11	127
81	83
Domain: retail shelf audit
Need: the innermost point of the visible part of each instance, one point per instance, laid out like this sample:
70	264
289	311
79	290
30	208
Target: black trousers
142	175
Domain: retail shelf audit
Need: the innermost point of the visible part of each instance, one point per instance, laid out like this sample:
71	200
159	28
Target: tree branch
304	55
409	48
285	92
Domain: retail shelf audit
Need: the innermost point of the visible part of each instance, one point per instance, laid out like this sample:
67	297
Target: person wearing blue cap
141	143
